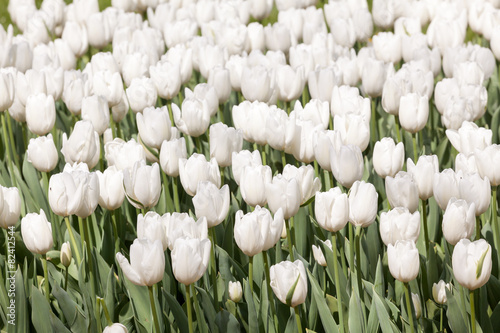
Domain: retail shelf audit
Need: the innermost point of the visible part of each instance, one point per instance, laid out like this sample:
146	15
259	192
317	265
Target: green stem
415	152
73	241
297	318
7	149
221	176
66	279
176	195
462	296
441	320
112	126
426	232
84	223
292	227
478	228
472	311
495	217
337	282
12	142
398	130
153	309
214	268
289	238
170	113
221	113
269	291
115	231
409	306
168	199
373	123
283	159
46	277
106	312
358	262
250	273
199	147
264	156
351	253
119	133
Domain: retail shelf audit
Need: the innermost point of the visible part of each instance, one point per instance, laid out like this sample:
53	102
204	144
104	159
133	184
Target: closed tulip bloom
304	175
211	202
471	262
458	220
95	109
354	129
181	225
111	192
82	145
224	141
109	85
413	112
40	113
123	154
466	163
402	191
388	158
190	259
7	86
322	140
404	261
399	224
89	182
194	117
285	194
469	137
257	83
363	203
153	227
347	164
318	253
423	174
142	184
218	78
170	153
75	34
76	86
141	93
9	214
487	158
477	190
387	47
347	100
235	291
242	159
445	186
196	169
321	83
253	182
283	276
343	31
167	79
42	153
417	305
290	82
439	291
373	77
154	126
331	209
147	262
65	256
116	327
37	232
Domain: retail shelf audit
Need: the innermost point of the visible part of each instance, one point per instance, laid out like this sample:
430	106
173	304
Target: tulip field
249	166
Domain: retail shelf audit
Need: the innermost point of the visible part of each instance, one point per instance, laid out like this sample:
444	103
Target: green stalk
409	306
264	155
398	131
250	273
115	231
221	113
462	296
119	133
472	311
153	309
358	262
199	147
373	123
214	268
105	309
426	232
415	153
112	126
46	276
170	113
297	318
441	320
221	176
283	159
66	279
176	194
90	261
337	282
11	139
269	291
351	254
495	217
73	241
168	199
292	226
289	238
7	149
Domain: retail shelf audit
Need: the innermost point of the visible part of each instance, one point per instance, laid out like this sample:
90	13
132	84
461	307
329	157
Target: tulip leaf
373	322
324	312
226	322
22	323
180	317
40	311
253	325
480	263
291	291
310	200
208	308
386	324
454	314
76	318
356	320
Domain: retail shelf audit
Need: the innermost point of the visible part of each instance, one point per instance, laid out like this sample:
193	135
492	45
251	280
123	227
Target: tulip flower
346	162
439	291
290	82
304	175
224	141
153	227
167	79
253	182
388	158
40	113
170	153
284	277
477	190
109	85
115	328
423	174
445	186
95	109
142	184
141	93
211	202
458	220
42	153
387	47
65	256
37	232
7	86
402	191
331	209
196	169
403	258
190	259
180	225
10	209
346	100
218	78
399	224
257	84
417	305
111	192
322	140
354	129
363	203
193	118
235	291
413	112
82	145
469	137
154	126
285	194
318	253
485	158
123	154
373	77
243	159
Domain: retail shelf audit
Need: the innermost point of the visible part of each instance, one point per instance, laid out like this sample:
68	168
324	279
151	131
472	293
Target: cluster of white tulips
338	156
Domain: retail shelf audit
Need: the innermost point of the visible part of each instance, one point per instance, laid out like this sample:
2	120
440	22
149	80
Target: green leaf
22	323
253	325
180	317
324	312
40	311
454	314
208	308
356	319
290	293
479	268
373	322
226	322
386	324
76	318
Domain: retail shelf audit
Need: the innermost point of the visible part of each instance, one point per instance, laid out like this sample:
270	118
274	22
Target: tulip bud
285	194
363	203
439	291
474	189
286	275
423	174
42	153
417	305
95	109
147	262
111	193
211	202
290	82
10	209
142	184
257	84
154	126
37	232
346	162
170	153
115	328
404	262
40	113
83	145
218	78
402	191
190	259
387	47
224	141
388	158
66	254
399	224
318	253
196	169
304	175
331	209
354	129
458	220
373	77
235	291
471	262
